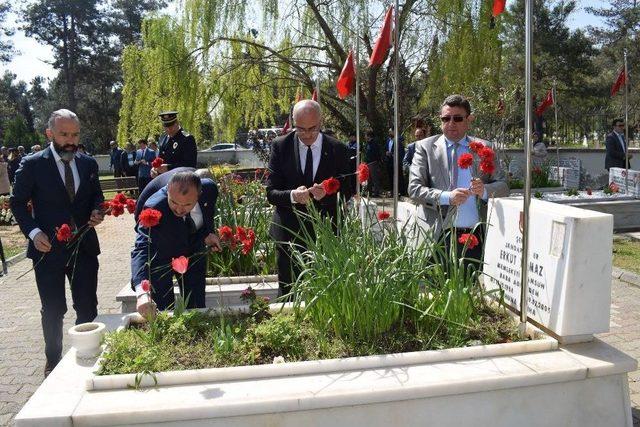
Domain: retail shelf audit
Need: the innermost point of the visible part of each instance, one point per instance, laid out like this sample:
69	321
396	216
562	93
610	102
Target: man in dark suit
299	162
616	146
64	188
115	162
144	157
187	205
177	147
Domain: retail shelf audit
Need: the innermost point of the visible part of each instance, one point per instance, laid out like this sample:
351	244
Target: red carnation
465	160
487	167
476	146
150	217
64	233
468	239
487	153
241	234
180	264
383	215
120	198
331	186
226	233
146	285
157	162
363	173
247	245
131	206
589	191
106	207
117	209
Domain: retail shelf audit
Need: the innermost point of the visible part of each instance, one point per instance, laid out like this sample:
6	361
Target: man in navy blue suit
616	152
187	205
144	157
64	188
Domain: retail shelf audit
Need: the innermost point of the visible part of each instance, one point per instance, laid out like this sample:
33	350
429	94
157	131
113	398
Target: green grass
626	254
13	250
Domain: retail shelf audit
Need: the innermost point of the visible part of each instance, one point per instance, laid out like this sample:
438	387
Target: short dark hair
457	101
616	121
185	181
142	141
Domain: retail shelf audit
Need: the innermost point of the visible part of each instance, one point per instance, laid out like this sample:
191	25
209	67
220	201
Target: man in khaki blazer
460	207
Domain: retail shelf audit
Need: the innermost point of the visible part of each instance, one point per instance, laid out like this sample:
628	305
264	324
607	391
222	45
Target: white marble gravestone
617	175
570	255
567	177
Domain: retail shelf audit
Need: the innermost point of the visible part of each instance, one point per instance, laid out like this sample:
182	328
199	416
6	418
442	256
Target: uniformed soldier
177	147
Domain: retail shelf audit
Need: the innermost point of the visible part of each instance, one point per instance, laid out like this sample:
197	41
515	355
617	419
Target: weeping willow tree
158	77
242	63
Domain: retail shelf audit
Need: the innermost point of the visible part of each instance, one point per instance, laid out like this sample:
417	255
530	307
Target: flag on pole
498	7
383	42
346	81
620	81
314	95
546	103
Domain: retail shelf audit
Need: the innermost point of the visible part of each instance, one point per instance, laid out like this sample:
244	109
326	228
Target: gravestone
617	176
569	264
567	177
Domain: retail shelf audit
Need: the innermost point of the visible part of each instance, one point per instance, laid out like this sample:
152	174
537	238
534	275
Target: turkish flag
383	42
347	79
314	95
286	127
498	7
620	81
546	103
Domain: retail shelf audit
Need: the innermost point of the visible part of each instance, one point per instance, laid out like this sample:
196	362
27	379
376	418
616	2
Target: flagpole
555	108
357	62
524	277
396	86
626	124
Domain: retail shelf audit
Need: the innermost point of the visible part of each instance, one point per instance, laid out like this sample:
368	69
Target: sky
33	58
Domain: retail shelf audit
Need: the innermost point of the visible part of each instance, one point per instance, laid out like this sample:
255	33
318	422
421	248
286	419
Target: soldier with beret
177	147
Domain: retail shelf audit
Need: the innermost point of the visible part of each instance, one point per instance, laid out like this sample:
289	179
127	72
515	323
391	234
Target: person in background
144	157
177	147
153	146
616	147
115	163
5	184
4	153
13	162
128	160
391	161
35	148
21	151
372	158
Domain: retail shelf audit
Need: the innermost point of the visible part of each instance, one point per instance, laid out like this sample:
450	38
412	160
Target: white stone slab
617	175
568	177
569	264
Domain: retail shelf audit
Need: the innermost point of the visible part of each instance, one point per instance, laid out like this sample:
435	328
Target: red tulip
157	162
331	186
465	160
180	264
363	173
468	239
64	233
150	217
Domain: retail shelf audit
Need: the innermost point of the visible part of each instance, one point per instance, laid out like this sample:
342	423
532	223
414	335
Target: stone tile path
21	346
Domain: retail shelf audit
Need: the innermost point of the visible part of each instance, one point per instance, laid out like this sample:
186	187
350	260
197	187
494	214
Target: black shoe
48	368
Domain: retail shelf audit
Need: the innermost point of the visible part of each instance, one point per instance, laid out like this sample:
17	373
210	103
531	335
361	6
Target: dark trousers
402	188
288	269
473	257
192	289
117	173
142	182
50	279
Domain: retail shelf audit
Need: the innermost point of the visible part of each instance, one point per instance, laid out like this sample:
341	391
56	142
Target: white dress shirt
621	139
60	165
316	150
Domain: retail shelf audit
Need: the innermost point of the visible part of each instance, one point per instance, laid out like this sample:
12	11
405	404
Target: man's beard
66	151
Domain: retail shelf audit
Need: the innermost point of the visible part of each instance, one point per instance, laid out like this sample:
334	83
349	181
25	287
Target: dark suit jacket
38	180
615	154
170	238
154	185
286	175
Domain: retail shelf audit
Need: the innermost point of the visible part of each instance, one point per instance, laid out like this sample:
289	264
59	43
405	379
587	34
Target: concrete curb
16	258
625	276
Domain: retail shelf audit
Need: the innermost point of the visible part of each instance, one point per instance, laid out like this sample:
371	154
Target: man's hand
213	241
477	187
145	306
317	191
459	196
300	195
96	217
41	242
159	170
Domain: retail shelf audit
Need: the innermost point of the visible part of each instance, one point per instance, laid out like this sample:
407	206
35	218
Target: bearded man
64	188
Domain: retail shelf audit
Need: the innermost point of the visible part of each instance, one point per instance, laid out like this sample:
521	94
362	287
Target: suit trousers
191	284
50	279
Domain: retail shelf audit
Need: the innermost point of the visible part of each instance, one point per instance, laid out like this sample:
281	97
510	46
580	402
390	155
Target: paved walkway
21	346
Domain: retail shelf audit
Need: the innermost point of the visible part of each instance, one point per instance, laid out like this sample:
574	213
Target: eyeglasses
456	119
312	129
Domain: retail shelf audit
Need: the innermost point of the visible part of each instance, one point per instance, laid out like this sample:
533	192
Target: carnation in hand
465	161
150	217
157	162
64	233
331	186
363	173
131	205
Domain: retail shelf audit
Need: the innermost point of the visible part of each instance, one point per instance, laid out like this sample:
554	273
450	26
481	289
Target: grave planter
86	338
581	384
